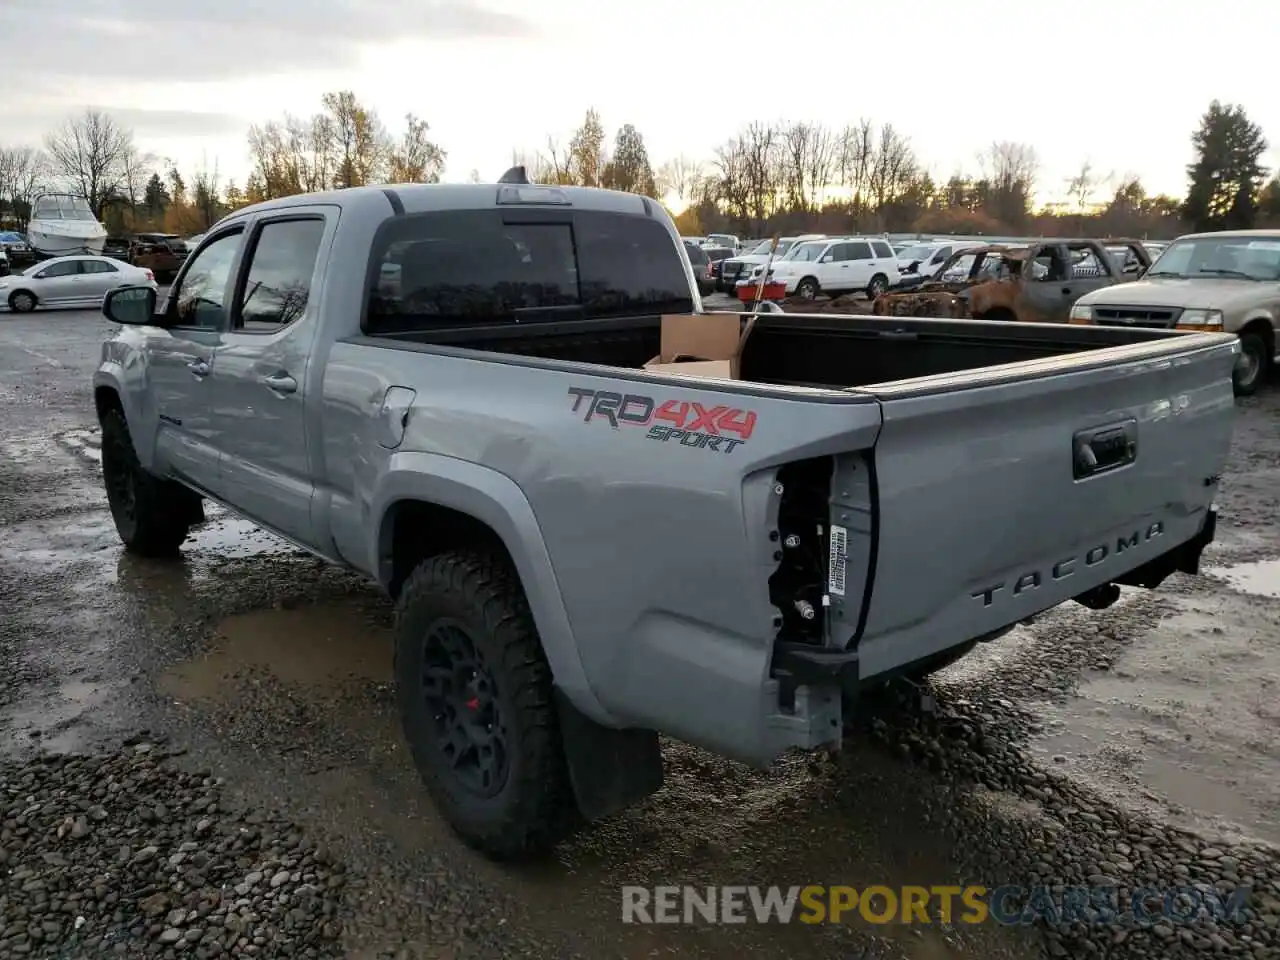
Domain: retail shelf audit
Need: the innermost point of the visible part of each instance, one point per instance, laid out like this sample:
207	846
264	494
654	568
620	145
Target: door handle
199	367
280	383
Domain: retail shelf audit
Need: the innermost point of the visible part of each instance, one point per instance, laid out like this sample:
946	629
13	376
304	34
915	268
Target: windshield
920	251
762	248
806	252
10	238
1240	258
46	208
75	208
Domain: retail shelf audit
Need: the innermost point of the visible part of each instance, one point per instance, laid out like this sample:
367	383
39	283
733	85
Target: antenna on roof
516	174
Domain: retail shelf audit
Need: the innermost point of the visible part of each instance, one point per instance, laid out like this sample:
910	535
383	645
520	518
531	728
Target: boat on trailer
63	223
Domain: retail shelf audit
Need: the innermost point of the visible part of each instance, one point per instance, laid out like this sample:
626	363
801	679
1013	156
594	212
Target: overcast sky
1121	84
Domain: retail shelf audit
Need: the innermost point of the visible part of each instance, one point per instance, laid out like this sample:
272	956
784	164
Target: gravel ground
273	812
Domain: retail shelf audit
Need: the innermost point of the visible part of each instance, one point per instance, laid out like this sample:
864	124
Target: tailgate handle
1103	449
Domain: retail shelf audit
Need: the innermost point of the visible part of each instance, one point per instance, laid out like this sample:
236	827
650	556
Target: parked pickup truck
1226	282
604	514
1034	282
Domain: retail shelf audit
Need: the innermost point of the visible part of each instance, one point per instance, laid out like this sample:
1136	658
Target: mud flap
610	769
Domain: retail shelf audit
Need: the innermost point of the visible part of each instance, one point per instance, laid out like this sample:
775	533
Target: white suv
838	265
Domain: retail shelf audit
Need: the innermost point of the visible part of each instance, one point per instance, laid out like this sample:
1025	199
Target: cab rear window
464	268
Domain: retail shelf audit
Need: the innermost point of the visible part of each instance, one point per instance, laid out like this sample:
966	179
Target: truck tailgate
1006	490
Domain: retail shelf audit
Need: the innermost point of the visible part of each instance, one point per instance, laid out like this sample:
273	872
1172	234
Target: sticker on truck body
719	428
839	554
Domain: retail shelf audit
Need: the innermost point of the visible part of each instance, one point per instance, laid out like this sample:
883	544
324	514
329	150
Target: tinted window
279	280
468	267
98	266
941	255
200	296
859	250
628	266
882	249
697	256
838	252
64	269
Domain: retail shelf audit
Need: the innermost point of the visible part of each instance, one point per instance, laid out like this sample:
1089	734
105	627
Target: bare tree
855	152
731	185
1009	171
797	140
21	171
1081	187
137	168
681	176
206	189
360	143
415	158
89	152
820	164
586	158
893	167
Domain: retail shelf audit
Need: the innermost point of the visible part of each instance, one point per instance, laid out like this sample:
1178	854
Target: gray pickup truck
450	388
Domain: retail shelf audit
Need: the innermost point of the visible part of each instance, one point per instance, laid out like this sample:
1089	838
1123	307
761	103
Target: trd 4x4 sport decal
719	428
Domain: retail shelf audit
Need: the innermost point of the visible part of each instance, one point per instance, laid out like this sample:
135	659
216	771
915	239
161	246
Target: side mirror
133	306
827	259
1134	270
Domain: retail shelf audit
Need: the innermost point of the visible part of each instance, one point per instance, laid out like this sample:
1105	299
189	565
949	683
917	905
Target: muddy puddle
1261	579
1187	722
314	646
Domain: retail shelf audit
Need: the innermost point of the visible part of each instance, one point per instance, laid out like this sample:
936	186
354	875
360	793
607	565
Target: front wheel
807	289
152	516
878	286
20	301
1251	366
475	698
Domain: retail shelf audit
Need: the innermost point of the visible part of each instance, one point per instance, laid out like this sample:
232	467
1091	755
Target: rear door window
469	267
278	284
882	249
859	250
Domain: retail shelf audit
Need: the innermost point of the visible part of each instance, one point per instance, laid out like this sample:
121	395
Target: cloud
32	124
232	39
176	123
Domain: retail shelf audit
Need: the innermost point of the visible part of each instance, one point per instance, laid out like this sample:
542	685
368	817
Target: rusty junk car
1032	282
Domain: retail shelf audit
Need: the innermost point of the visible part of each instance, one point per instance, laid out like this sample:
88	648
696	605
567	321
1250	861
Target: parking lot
1136	745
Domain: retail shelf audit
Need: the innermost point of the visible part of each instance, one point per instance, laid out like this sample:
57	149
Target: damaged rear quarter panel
660	544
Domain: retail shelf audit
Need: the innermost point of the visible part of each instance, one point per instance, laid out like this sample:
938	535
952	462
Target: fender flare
109	377
496	500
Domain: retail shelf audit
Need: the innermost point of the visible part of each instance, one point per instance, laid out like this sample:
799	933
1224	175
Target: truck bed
808	350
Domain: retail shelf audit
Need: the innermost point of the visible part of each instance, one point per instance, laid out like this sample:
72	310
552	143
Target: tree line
344	144
798	176
770	177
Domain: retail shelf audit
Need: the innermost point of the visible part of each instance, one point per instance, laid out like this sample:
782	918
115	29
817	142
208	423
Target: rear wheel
878	286
20	301
152	516
1252	365
475	698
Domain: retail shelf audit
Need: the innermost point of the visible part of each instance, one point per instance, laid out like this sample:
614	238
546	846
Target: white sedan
75	281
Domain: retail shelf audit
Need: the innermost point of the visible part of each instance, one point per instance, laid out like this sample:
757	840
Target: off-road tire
808	289
478	591
878	287
1253	346
22	301
152	515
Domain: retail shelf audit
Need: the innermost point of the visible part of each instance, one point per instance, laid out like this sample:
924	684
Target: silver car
75	281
